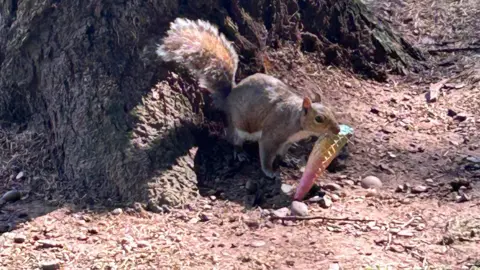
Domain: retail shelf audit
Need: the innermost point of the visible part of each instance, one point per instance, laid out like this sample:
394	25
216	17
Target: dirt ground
434	147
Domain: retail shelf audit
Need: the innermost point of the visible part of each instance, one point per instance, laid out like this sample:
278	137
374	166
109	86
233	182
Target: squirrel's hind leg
239	153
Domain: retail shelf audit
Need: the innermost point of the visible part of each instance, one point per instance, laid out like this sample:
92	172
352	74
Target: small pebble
154	207
138	207
299	208
371	182
349	182
11	196
419	189
282	212
334	266
258	243
315	199
166	208
49	244
405	233
194	220
371	192
460	117
388	129
326	202
451	113
19	238
429	181
93	230
50	265
463	198
332	187
334	229
335	197
392	155
117	211
143	244
397	248
473	159
394	230
399	189
265	212
252	223
287	189
455	85
82	237
20	175
372	223
420	227
405	201
203	217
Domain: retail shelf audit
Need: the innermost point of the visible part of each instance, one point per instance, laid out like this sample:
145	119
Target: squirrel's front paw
288	162
241	156
271	174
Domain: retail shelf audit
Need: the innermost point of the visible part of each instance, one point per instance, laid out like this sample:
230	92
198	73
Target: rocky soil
406	195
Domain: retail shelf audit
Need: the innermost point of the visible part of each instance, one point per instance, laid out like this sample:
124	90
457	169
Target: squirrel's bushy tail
207	54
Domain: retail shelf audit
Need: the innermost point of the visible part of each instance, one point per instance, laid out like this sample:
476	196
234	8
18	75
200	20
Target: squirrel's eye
318	119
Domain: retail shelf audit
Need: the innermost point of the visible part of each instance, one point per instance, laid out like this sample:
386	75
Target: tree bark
121	125
350	35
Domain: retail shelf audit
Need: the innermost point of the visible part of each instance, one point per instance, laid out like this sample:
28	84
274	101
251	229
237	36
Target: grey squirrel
260	108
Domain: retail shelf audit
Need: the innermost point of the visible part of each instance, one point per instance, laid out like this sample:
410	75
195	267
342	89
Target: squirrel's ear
307	104
316	97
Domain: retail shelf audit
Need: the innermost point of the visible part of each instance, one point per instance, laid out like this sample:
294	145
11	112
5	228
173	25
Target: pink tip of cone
306	183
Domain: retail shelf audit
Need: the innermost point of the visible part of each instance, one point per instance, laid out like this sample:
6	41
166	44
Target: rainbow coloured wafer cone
323	152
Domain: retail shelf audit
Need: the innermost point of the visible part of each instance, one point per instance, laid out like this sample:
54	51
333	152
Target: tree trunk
122	126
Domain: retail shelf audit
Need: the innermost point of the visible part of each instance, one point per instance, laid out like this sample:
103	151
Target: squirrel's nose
336	129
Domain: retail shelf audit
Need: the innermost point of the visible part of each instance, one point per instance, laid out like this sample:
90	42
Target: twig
387	246
273	217
459	49
408	223
476	204
463	239
389	242
421	258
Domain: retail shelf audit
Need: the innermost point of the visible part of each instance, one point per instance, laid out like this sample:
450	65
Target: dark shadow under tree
120	125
